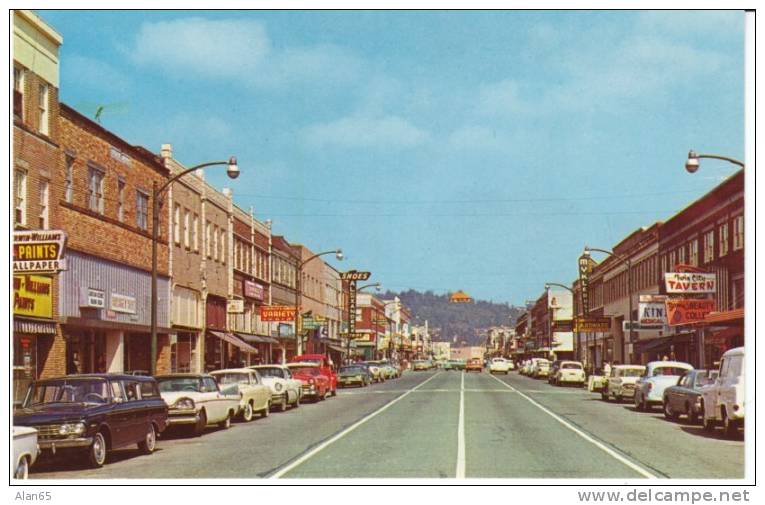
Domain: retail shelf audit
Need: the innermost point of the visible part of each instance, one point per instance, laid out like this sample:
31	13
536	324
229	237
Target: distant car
540	367
25	450
621	382
569	372
379	374
315	384
196	401
658	375
285	389
685	398
474	365
353	375
326	366
724	400
254	396
456	364
93	414
525	368
419	364
499	365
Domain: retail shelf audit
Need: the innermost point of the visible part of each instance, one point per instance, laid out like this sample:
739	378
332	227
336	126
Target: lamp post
299	295
233	172
578	339
375	285
390	342
628	263
692	163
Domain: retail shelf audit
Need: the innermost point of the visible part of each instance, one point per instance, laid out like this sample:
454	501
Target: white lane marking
302	459
596	443
461	432
425	391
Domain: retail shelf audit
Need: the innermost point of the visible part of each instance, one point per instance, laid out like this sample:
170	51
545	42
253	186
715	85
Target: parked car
326	365
377	371
724	400
196	401
419	364
569	372
254	396
314	383
350	375
285	389
540	367
553	370
499	365
658	376
684	398
25	450
474	365
386	370
395	373
525	368
621	382
94	414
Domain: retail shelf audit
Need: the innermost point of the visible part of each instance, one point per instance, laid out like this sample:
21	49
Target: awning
252	339
30	326
233	340
726	318
653	344
336	348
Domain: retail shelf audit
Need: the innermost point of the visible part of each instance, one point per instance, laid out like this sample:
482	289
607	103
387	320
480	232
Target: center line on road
461	432
302	459
642	471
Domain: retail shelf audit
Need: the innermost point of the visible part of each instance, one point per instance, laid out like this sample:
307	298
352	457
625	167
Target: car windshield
306	370
632	372
572	366
174	384
669	370
224	379
271	372
352	369
498	360
68	391
705	379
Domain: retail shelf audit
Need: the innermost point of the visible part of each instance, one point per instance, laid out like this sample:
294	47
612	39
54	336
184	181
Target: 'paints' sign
32	295
38	251
686	283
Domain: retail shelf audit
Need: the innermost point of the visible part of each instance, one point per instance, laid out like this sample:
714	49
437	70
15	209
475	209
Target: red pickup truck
325	365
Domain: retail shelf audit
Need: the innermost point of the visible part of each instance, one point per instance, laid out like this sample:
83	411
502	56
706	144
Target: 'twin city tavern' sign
38	251
686	283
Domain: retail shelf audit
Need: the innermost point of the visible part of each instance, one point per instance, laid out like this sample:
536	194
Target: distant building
466	353
442	350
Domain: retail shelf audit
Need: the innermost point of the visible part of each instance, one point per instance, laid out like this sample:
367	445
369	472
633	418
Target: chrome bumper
64	443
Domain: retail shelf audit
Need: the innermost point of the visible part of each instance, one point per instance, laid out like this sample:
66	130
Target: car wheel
97	451
334	392
283	405
147	445
22	469
668	412
226	423
693	417
247	413
604	396
618	398
730	426
709	425
266	411
297	402
199	428
638	404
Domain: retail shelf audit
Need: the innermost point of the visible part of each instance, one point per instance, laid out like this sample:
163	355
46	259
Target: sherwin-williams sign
38	251
690	282
33	295
685	311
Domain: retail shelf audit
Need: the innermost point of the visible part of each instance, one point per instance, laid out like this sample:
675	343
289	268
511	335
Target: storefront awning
233	340
30	326
653	344
250	338
337	348
733	317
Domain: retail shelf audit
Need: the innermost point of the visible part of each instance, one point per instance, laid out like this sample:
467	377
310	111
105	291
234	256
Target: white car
254	396
540	367
723	401
285	390
499	365
25	450
196	400
658	376
622	381
569	372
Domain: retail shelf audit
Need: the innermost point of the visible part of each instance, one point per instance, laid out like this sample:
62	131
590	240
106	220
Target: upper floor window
177	224
142	210
96	190
195	232
18	92
69	179
723	239
43	106
681	255
693	252
186	229
215	243
208	239
20	197
738	233
709	246
44	222
121	200
223	246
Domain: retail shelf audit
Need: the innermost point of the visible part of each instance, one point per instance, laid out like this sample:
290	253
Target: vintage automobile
621	382
254	396
350	375
25	450
314	384
474	365
554	366
94	414
395	372
326	365
386	371
419	364
499	365
540	367
196	401
684	398
285	389
658	376
724	400
377	372
569	372
456	364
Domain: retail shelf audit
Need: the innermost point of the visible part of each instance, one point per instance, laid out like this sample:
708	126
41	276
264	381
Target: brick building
284	261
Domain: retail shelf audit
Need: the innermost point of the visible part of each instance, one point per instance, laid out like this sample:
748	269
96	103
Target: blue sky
441	150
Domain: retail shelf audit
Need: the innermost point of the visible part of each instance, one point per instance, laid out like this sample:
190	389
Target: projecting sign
33	295
274	313
652	310
637	326
690	282
593	325
686	311
235	306
38	251
353	275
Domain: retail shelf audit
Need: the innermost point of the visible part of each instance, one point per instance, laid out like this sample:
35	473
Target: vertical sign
585	269
351	307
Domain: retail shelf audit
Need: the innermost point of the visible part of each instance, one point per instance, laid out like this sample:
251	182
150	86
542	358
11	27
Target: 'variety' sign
274	313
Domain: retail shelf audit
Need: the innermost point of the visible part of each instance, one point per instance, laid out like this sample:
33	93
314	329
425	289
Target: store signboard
122	303
275	313
254	290
38	251
690	282
33	295
95	298
682	311
652	310
593	325
235	306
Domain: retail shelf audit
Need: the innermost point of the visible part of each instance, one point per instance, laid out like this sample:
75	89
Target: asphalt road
437	425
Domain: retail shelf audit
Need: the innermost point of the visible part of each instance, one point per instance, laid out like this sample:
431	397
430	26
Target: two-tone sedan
196	401
685	397
499	365
658	376
568	372
314	384
254	396
354	375
285	389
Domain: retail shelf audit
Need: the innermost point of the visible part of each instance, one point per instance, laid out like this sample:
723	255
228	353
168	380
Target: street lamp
578	337
692	163
232	171
299	295
628	263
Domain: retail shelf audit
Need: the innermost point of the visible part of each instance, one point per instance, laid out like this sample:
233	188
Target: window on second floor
681	255
709	246
723	239
186	229
96	190
195	232
18	92
69	179
44	221
693	252
20	197
738	233
177	224
208	239
43	109
142	210
121	200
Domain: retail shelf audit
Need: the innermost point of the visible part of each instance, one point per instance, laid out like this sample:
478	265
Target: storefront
223	349
106	316
720	332
186	317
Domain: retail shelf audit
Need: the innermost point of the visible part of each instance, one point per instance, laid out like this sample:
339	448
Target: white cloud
479	138
501	98
240	50
362	132
94	74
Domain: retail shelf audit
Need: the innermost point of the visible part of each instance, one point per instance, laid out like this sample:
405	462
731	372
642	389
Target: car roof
231	370
183	375
277	365
659	364
629	366
737	351
104	376
303	363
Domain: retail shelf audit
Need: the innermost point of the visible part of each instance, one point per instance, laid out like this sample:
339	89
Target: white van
724	400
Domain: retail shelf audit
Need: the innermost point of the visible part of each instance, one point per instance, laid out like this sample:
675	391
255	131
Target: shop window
183	353
723	239
142	210
738	233
24	364
20	197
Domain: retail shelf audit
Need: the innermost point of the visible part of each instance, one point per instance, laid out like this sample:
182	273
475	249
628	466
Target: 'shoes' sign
353	275
38	251
685	311
686	283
